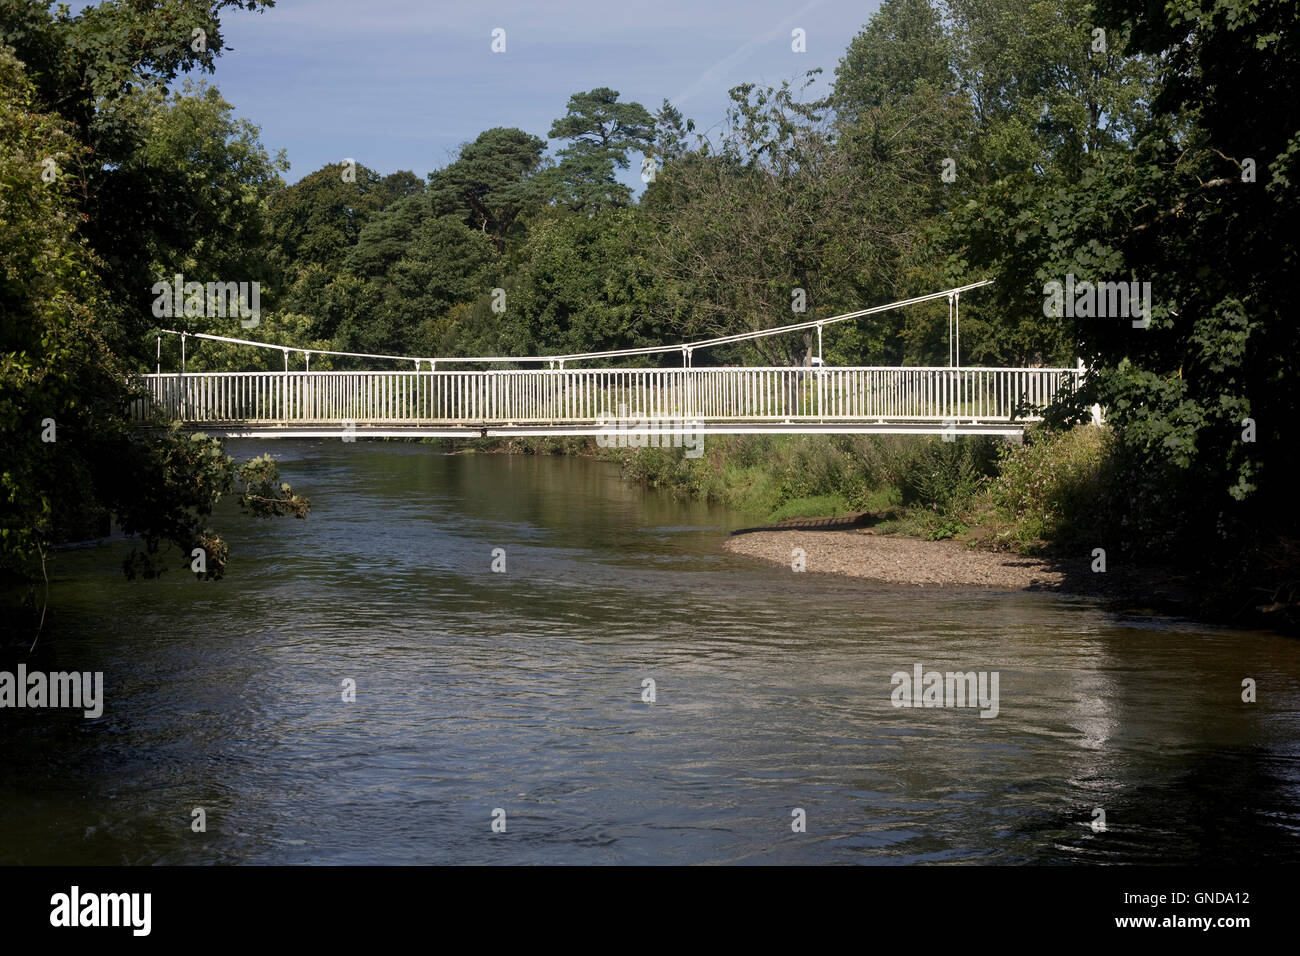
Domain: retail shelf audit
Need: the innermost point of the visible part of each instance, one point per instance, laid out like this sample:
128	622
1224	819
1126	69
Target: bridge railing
595	396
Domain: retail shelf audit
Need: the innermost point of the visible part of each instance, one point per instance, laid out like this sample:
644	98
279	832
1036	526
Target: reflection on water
523	691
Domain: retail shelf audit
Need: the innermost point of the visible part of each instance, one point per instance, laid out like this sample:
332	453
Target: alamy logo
78	689
634	433
213	300
1100	300
953	689
75	908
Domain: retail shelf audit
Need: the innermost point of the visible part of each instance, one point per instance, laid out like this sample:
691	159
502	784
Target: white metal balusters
594	396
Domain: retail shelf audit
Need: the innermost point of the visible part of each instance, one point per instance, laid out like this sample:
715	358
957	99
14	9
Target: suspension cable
686	348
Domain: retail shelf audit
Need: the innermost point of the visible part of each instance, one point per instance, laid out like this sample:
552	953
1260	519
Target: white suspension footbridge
562	400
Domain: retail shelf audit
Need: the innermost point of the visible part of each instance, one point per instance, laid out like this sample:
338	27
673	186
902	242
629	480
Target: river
523	691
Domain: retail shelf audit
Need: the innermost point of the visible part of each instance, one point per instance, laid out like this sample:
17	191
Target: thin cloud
711	77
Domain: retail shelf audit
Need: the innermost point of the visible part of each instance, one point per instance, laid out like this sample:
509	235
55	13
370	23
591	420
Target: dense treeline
814	198
1035	143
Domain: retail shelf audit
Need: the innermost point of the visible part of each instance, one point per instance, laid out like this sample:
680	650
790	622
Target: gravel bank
859	553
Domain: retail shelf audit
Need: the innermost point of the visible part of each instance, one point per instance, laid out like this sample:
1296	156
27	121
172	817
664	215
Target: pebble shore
860	553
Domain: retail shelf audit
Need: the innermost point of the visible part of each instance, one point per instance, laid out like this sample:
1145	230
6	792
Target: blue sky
400	84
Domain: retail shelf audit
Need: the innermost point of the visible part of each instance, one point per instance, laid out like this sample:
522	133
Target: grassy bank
1029	496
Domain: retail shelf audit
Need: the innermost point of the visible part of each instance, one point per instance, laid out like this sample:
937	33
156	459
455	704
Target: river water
523	691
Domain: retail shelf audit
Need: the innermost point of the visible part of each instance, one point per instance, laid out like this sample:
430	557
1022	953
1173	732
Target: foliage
784	217
91	130
178	490
601	132
275	328
671	131
1177	205
48	341
106	71
901	51
318	219
945	474
194	188
1058	487
491	183
582	285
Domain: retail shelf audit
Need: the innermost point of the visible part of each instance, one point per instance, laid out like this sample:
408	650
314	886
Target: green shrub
657	467
945	526
1057	486
945	475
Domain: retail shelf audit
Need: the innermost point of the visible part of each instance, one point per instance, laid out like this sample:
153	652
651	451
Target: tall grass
780	476
1057	488
1054	489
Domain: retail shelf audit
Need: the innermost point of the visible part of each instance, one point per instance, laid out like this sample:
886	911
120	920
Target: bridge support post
950	330
821	379
182	403
956	322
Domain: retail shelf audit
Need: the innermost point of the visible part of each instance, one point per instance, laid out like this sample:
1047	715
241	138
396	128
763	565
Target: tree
1048	108
84	126
780	221
276	328
902	50
408	268
387	236
318	219
583	284
316	224
445	264
189	198
77	62
69	455
104	69
1202	399
903	122
671	130
1214	235
601	132
1043	95
491	182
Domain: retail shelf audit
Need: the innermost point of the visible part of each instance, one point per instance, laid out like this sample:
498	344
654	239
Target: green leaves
601	131
902	49
492	183
264	495
150	181
598	126
178	481
318	219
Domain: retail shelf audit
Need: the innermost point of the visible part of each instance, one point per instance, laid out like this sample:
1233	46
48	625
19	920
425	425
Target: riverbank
851	547
829	547
1043	515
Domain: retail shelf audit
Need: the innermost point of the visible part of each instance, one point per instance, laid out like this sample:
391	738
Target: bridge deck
595	401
